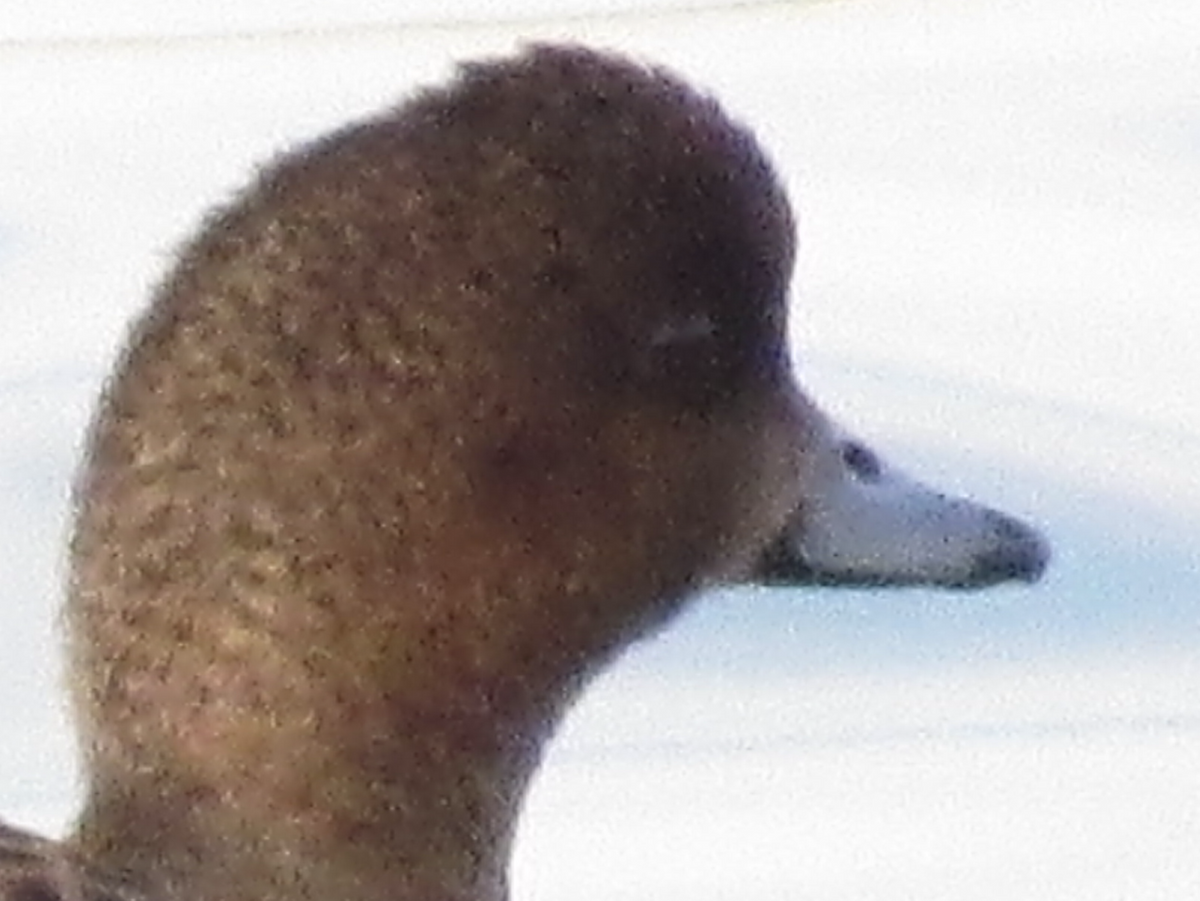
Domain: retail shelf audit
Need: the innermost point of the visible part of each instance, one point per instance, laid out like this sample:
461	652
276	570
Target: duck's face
642	432
600	259
654	437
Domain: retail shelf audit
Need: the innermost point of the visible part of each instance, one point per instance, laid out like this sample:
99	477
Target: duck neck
389	771
363	748
416	802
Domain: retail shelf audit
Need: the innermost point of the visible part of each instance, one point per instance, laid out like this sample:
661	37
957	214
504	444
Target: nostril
861	461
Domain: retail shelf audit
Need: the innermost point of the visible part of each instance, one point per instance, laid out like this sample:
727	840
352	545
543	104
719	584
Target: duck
427	424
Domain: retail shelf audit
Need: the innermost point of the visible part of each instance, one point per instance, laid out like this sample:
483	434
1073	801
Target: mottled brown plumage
440	413
36	869
423	428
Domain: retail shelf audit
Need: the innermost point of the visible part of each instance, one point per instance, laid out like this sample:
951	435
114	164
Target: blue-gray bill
864	524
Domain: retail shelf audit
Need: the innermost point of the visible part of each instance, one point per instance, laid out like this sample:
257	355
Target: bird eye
692	330
861	461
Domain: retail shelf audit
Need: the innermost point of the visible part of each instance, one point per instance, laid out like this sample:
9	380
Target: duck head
440	413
